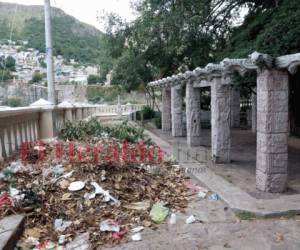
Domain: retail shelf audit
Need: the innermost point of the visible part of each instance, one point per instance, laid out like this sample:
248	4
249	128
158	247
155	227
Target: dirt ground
219	228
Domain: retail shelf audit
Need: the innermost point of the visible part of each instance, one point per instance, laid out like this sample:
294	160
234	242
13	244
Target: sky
86	10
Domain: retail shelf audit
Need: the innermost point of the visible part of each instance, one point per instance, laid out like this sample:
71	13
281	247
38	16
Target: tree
170	36
42	63
5	75
130	71
10	63
7	64
37	77
93	79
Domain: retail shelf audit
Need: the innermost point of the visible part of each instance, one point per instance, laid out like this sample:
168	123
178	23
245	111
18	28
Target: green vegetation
101	94
246	215
169	37
94	79
8	63
13	102
273	30
5	75
157	122
37	77
84	129
72	39
148	112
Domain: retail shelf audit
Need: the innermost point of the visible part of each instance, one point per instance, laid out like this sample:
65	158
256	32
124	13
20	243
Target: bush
13	102
148	112
37	77
157	122
84	129
93	79
101	94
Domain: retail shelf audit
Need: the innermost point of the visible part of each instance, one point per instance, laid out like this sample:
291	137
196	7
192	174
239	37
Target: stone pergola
270	122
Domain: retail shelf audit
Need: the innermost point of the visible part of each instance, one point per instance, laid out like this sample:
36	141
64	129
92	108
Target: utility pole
49	53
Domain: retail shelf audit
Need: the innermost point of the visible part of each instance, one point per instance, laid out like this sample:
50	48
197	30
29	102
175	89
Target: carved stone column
235	107
220	121
176	110
254	112
166	123
272	130
193	109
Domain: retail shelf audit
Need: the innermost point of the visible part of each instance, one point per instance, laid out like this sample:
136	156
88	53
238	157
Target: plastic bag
159	212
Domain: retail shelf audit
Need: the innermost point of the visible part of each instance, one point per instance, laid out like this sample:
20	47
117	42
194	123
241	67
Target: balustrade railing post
68	110
78	111
84	112
46	122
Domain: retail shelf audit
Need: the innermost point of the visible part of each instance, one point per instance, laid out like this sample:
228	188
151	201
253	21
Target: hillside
72	38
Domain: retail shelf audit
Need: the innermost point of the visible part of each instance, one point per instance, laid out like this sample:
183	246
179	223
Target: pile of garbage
69	204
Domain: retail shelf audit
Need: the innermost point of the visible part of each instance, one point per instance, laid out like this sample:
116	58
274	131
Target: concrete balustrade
46	124
78	111
68	109
41	121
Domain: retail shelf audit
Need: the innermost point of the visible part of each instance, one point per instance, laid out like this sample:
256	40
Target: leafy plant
94	79
246	215
157	122
127	133
13	102
80	130
148	112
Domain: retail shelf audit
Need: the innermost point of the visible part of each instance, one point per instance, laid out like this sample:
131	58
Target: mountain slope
72	38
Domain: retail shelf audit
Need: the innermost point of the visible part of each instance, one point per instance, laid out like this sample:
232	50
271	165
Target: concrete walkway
10	230
236	198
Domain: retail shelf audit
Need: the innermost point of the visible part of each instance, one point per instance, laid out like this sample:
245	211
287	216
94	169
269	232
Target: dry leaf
66	196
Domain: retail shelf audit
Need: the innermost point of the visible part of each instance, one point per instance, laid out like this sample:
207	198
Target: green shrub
157	122
94	79
83	129
13	102
148	112
102	94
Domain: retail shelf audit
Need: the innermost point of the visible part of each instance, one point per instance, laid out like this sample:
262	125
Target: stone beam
262	61
201	84
200	74
288	62
214	70
238	65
